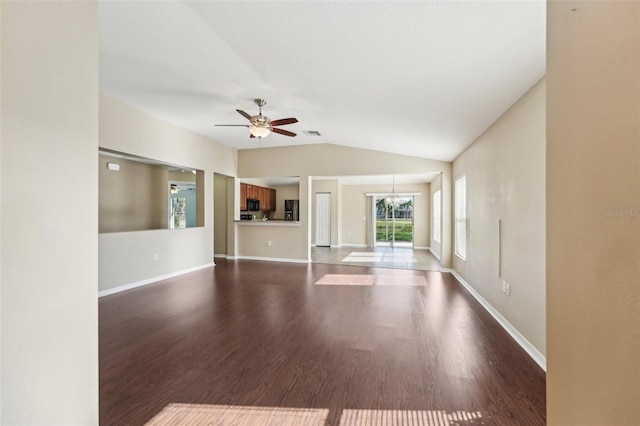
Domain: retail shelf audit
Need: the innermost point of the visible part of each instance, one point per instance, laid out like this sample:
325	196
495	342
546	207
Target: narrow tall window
436	216
461	217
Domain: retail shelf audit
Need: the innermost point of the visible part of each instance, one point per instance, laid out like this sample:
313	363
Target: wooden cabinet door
243	196
267	198
262	198
251	192
272	198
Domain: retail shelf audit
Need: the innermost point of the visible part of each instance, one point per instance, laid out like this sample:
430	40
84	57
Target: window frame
436	216
460	217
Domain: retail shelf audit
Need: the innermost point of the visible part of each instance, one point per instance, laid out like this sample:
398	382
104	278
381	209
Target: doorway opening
394	222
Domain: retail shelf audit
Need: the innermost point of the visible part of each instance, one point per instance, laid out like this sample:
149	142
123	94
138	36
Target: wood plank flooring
249	333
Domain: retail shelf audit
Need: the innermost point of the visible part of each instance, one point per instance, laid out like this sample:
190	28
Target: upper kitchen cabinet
265	196
243	196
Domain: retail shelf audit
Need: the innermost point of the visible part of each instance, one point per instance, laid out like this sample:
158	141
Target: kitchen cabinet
260	196
272	199
265	196
243	196
251	192
264	200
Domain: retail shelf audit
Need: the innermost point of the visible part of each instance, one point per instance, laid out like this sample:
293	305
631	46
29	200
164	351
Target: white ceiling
417	78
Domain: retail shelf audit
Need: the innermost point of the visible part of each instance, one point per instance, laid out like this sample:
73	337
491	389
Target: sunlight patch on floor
346	279
380	257
199	414
381	280
409	418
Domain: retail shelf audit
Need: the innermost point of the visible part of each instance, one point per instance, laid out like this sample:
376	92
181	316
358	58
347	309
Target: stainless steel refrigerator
291	210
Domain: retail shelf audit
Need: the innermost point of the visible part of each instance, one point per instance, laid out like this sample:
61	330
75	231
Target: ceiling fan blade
244	114
232	125
283	132
284	121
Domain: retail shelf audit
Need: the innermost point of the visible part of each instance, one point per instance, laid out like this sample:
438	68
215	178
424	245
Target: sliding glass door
394	221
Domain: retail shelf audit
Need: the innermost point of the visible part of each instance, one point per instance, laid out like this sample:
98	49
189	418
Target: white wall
1	180
49	370
505	174
128	257
593	213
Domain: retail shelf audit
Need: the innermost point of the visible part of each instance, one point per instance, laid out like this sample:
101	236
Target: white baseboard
354	245
335	246
535	354
221	256
434	254
151	280
422	248
272	259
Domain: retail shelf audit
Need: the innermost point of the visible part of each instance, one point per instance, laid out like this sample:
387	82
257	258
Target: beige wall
220	214
333	160
253	241
505	173
593	213
129	257
287	192
133	198
179	176
49	246
354	212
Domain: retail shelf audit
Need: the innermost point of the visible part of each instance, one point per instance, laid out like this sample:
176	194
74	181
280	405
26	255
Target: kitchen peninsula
269	222
274	240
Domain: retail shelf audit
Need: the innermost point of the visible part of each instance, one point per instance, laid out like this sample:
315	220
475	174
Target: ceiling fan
260	126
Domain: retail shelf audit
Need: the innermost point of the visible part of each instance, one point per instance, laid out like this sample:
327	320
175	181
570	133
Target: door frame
393	243
317	221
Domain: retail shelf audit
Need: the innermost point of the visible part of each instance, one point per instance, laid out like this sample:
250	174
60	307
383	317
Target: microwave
253	205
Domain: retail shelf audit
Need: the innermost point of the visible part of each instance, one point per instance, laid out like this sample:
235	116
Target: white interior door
323	219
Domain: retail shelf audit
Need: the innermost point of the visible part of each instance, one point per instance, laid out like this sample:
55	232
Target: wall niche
137	194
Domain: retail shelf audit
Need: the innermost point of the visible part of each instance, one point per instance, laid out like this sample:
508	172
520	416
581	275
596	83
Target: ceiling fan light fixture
259	131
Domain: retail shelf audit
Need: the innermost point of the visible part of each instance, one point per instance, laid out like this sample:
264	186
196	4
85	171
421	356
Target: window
436	216
178	213
461	217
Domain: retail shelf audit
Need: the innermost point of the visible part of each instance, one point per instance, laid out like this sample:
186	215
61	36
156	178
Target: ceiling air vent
311	132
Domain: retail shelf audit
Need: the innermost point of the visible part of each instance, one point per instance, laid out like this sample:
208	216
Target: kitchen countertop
270	222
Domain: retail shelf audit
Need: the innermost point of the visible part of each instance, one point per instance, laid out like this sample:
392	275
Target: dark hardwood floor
251	333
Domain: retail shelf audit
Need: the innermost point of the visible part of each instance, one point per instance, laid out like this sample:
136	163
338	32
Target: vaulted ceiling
416	78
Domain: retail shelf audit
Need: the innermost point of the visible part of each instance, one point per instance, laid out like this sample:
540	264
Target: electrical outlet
155	257
269	243
507	289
